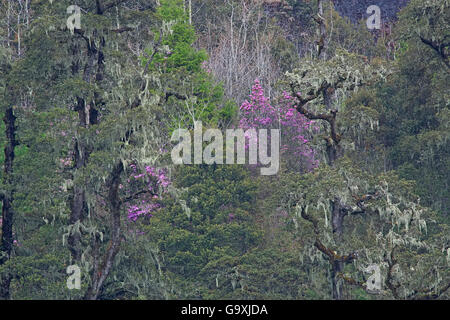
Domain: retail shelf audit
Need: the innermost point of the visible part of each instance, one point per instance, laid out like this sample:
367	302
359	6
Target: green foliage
223	231
181	65
414	122
209	240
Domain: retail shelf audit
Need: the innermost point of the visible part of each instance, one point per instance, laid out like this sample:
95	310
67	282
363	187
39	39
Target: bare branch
351	280
103	270
330	117
332	255
155	51
440	48
136	195
389	279
428	294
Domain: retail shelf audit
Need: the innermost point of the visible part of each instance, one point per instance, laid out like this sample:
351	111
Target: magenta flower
257	112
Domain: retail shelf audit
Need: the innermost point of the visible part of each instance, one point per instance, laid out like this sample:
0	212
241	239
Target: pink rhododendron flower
259	113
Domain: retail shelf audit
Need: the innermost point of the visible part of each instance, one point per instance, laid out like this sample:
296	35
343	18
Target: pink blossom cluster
143	209
205	66
66	162
155	181
258	112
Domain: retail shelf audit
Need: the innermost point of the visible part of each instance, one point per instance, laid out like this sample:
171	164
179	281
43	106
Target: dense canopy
92	94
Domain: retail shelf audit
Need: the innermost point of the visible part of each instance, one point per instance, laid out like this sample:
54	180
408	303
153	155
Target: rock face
355	10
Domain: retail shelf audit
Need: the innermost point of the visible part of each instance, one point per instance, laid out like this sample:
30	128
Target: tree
17	19
188	88
203	247
413	107
97	113
85	77
260	113
427	21
350	193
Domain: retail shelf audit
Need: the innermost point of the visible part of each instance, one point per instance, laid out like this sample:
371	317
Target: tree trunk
102	272
337	218
78	206
190	11
337	222
322	32
7	211
87	116
337	268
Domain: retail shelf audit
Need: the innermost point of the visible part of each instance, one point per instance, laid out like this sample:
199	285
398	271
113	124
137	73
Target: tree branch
427	294
351	280
439	48
330	117
360	203
136	195
389	279
311	219
155	51
332	255
102	272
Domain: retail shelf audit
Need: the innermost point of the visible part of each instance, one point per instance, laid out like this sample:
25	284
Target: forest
225	150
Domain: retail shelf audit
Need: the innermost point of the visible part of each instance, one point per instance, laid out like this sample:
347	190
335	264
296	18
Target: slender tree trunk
337	268
9	24
7	210
103	270
78	206
77	209
337	222
190	11
322	32
337	214
18	31
87	116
